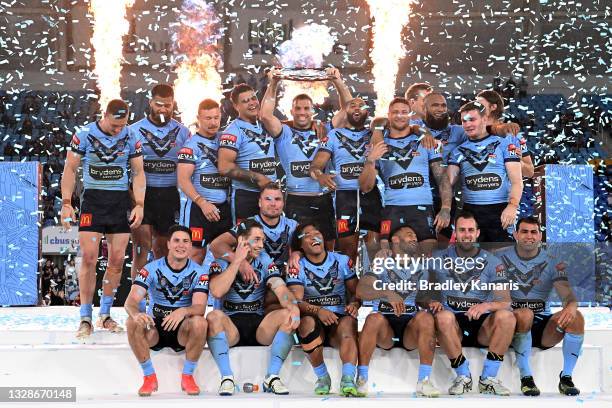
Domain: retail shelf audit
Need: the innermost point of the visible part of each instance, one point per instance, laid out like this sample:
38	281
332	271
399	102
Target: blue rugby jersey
170	289
254	147
246	297
535	278
296	148
278	238
347	148
202	153
450	137
490	270
105	157
324	283
405	171
160	146
482	164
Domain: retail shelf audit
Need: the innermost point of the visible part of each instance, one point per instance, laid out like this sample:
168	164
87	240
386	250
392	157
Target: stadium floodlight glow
109	26
390	17
195	40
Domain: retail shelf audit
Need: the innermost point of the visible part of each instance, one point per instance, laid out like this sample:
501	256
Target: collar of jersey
156	125
104	133
480	140
320	263
204	137
174	271
268	225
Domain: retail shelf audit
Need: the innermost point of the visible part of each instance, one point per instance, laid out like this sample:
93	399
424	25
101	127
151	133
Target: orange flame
110	25
390	17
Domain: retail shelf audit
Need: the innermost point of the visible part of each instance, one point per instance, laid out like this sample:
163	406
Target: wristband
381	128
198	198
67	201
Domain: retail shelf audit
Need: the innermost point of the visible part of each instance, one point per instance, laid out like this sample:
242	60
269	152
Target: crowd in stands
59	283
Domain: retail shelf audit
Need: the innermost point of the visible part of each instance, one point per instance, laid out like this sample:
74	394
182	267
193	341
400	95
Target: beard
437	123
356	123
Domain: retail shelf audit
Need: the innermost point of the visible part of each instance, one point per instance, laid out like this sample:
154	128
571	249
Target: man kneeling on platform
178	292
395	321
238	318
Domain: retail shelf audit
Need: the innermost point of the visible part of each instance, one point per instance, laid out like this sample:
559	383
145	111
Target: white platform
37	348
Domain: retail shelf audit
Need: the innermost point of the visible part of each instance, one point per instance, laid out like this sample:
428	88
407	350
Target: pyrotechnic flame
195	44
110	25
390	17
306	49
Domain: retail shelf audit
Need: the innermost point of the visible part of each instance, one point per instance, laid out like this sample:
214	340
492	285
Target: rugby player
490	172
472	315
355	210
161	137
296	144
246	154
404	166
178	290
106	149
537	272
325	287
206	211
395	320
239	318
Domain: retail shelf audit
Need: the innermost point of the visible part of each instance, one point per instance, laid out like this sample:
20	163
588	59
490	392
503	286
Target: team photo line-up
274	246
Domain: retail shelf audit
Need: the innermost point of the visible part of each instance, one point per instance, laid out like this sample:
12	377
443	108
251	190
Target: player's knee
197	325
215	320
132	326
89	258
307	325
424	321
577	325
373	322
504	319
524	319
445	321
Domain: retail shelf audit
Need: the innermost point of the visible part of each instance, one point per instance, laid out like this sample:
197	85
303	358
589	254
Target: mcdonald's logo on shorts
197	234
385	227
342	226
85	220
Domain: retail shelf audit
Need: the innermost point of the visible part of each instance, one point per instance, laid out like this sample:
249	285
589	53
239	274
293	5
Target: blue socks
522	347
424	371
321	371
348	369
189	367
86	310
279	350
147	367
220	351
572	345
142	306
362	371
106	302
491	365
460	365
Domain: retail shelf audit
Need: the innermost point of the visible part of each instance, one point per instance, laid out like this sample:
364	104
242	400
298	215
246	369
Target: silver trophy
303	74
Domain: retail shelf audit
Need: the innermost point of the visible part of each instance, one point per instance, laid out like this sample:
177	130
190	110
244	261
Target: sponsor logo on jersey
461	304
214	181
482	182
385	227
300	169
351	171
197	234
106	173
406	180
214	268
159	166
342	226
265	166
227	140
185	154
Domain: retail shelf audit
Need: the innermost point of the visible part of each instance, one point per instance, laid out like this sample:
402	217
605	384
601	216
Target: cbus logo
85	220
342	226
197	233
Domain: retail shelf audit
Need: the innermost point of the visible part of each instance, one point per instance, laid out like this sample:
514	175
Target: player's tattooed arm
266	113
441	176
228	168
453	173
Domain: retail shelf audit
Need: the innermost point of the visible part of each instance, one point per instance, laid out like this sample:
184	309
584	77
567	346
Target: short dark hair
298	234
432	94
493	98
237	90
302	97
401	227
207	104
117	108
471	106
398	99
466	215
245	227
163	91
528	220
273	185
414	90
179	228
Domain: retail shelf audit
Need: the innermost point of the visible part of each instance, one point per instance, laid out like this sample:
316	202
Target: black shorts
448	231
245	204
326	330
105	211
167	338
346	211
489	222
419	217
161	206
540	320
317	209
469	329
203	231
247	324
398	325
